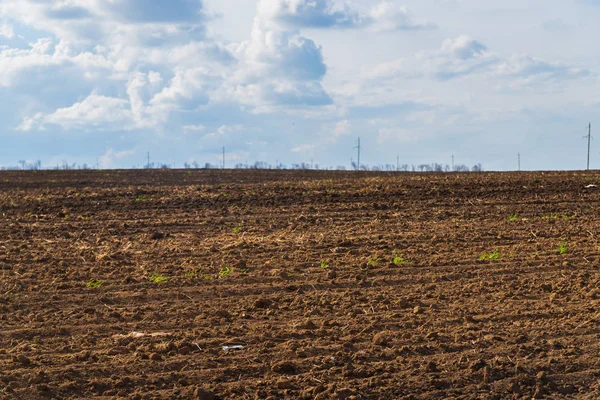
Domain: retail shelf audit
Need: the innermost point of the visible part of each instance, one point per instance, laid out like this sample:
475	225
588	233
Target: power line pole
519	161
148	157
358	147
589	138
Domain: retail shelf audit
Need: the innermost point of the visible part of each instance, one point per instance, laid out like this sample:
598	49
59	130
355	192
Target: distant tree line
434	167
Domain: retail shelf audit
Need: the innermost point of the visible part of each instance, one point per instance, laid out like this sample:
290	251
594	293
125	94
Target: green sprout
373	261
237	229
324	265
398	259
563	248
157	278
513	217
194	273
225	271
490	256
94	284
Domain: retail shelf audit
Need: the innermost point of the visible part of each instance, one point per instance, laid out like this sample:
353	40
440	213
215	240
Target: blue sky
106	81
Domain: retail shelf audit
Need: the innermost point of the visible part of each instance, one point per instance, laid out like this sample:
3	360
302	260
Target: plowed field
323	285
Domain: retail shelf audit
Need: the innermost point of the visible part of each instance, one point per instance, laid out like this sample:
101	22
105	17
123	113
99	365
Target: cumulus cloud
278	67
41	53
464	56
156	11
95	111
388	16
155	58
529	70
140	88
279	54
458	57
90	21
308	13
113	45
385	16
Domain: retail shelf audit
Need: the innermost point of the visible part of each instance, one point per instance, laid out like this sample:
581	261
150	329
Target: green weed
563	248
225	271
513	217
324	264
94	284
157	278
550	217
398	259
373	261
194	273
490	256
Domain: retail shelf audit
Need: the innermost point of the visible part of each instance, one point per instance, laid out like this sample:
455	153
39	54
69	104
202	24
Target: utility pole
589	138
148	164
223	157
519	161
358	147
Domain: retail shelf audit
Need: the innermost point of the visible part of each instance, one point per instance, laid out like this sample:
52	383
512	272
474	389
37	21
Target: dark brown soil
322	285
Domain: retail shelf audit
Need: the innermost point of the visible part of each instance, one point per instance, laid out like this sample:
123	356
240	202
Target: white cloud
528	70
278	67
139	88
308	13
303	148
387	16
110	158
7	31
463	56
341	128
16	61
193	128
94	111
